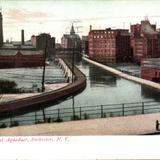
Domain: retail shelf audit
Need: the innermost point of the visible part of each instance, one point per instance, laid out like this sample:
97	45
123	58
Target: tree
7	86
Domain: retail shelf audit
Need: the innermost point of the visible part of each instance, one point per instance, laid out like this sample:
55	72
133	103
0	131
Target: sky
56	16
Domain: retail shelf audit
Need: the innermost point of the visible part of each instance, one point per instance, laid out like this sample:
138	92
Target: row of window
102	32
101	36
103	51
103	47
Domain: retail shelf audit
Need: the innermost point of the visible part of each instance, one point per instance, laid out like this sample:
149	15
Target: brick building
15	59
109	45
1	30
42	41
145	41
150	69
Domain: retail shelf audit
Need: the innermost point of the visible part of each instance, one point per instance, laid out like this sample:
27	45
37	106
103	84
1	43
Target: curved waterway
102	88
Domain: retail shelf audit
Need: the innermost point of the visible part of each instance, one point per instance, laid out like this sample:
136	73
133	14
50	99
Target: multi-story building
150	69
1	30
43	41
71	41
145	41
109	45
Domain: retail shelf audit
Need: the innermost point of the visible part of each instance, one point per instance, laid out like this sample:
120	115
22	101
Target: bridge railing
81	113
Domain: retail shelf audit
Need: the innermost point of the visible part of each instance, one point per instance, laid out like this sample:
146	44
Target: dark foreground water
103	89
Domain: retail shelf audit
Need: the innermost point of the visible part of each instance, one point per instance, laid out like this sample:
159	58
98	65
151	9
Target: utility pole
73	64
73	59
44	65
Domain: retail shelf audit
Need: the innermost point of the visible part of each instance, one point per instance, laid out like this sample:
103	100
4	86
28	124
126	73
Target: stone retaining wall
67	71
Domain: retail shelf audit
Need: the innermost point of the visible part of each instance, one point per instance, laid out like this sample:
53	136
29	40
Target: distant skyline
56	16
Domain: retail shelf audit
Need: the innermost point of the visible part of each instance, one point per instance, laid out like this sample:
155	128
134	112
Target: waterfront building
20	54
10	58
71	41
110	45
1	30
145	41
43	41
150	69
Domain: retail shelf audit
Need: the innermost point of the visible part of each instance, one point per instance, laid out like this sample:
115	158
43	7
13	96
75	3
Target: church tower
72	32
1	29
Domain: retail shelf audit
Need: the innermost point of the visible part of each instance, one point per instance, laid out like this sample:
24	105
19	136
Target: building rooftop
147	28
17	46
10	52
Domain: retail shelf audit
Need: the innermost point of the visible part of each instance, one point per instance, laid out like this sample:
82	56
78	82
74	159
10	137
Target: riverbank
48	88
129	125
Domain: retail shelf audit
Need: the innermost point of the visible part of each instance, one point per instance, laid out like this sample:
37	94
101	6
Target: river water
102	88
27	77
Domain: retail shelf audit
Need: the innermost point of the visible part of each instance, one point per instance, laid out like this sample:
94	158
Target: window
156	73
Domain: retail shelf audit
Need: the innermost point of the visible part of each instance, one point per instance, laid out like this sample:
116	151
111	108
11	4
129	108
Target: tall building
43	41
109	45
72	40
1	30
145	41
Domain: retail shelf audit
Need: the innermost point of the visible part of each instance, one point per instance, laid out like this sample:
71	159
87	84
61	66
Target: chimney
90	27
22	37
1	29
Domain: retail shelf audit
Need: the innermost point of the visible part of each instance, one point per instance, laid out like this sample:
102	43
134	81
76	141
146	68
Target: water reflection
148	92
98	77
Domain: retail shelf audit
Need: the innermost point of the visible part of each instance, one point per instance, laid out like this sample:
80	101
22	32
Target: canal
103	90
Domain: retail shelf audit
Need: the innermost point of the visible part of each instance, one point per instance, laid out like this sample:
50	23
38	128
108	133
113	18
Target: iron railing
81	113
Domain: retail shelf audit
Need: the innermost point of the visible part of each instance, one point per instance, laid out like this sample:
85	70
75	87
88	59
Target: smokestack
1	29
90	27
22	37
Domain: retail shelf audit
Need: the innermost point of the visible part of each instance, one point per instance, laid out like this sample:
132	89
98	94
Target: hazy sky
56	16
